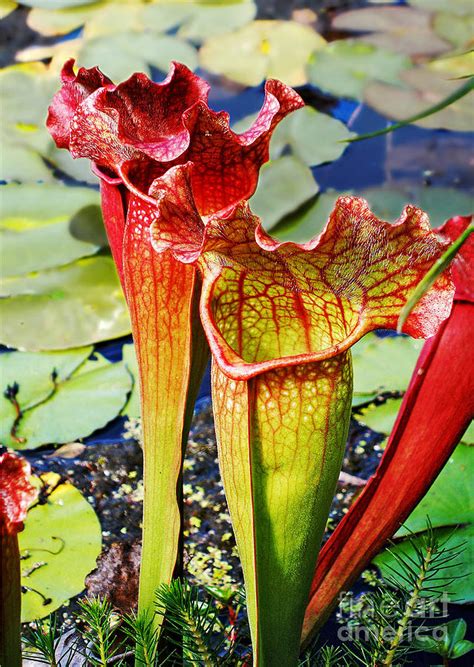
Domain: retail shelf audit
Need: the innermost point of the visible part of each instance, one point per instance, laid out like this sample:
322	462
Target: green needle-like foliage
100	632
418	581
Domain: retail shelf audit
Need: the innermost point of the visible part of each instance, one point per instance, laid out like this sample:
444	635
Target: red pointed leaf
16	492
436	410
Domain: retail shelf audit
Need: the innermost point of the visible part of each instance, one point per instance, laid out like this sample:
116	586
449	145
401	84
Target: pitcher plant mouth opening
200	275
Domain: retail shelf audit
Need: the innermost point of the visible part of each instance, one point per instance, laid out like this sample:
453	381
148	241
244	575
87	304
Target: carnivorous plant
279	320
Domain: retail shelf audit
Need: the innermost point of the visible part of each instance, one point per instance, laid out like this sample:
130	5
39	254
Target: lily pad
190	20
380	418
23	134
460	7
121	54
262	49
60	544
456	29
79	405
423	89
34	374
401	29
345	67
64	307
55	4
450	501
284	185
132	408
28	151
42	226
197	21
384	363
6	7
459	591
440	203
468	437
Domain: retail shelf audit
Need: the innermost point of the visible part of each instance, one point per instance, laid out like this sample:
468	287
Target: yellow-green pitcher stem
281	438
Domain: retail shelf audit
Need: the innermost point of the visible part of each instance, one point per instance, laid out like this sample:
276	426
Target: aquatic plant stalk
436	410
16	494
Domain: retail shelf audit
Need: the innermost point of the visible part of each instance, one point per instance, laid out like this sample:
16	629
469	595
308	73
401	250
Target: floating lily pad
456	29
79	405
450	501
423	89
68	306
401	29
132	408
262	49
55	4
198	21
380	418
284	185
23	135
468	437
191	20
344	67
60	544
460	588
6	7
460	7
34	374
42	226
28	151
440	203
121	54
384	363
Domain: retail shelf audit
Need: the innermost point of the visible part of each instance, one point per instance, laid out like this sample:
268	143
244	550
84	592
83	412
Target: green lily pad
60	544
450	501
121	54
42	226
260	50
461	590
33	373
400	29
284	185
345	67
440	203
460	7
23	134
195	21
55	4
384	364
28	151
80	404
456	29
424	88
64	307
380	418
468	437
6	7
132	408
